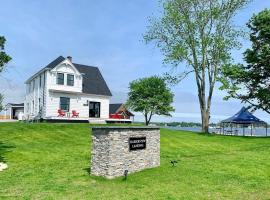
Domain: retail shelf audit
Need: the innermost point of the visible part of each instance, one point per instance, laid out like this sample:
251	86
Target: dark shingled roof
16	104
55	62
93	81
115	107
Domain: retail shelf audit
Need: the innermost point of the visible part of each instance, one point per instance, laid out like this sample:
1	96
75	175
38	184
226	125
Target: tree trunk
146	120
205	121
205	109
204	106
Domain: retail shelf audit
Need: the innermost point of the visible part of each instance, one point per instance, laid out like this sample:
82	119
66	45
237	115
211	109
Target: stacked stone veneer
111	155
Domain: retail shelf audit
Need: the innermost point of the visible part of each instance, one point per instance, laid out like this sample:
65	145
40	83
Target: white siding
34	92
77	102
65	68
50	92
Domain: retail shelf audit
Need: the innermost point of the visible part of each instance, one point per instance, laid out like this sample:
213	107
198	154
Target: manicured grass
51	161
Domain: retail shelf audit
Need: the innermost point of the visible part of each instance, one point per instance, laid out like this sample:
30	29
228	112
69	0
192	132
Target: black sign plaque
137	143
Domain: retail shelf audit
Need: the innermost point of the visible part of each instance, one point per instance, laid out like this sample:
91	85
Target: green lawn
51	161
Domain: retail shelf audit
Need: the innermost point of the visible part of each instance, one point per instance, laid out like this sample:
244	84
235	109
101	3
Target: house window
64	103
70	80
60	78
39	104
28	88
33	82
40	81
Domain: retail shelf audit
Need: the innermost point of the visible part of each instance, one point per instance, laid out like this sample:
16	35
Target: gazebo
240	122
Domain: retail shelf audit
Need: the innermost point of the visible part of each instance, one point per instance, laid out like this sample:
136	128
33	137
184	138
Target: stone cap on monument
125	127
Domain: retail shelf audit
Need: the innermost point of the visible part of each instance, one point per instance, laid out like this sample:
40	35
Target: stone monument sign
116	149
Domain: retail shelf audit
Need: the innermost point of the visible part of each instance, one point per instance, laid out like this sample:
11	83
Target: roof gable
51	65
119	107
93	81
55	62
66	63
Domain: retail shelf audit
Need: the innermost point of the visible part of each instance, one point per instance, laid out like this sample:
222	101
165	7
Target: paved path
8	120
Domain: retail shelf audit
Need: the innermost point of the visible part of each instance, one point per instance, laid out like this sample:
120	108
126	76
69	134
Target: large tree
199	35
4	59
150	96
250	82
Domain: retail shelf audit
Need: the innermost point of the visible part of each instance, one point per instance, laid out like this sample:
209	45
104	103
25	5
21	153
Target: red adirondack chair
61	113
74	113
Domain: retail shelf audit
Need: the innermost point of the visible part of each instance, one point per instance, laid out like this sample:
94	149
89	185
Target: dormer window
60	79
70	80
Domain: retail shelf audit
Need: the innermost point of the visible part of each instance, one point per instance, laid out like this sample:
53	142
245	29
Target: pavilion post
251	128
243	129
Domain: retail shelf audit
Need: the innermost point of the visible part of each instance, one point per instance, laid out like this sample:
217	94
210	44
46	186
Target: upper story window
60	79
70	80
40	81
28	88
33	84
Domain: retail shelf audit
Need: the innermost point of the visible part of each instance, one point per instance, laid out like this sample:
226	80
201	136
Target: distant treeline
183	124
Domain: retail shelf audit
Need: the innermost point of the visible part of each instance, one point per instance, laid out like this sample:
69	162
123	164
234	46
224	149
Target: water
194	129
227	131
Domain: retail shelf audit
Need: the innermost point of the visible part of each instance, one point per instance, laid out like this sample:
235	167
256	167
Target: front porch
85	120
57	119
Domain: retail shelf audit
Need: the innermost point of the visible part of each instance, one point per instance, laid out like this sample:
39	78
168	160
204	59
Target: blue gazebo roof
243	117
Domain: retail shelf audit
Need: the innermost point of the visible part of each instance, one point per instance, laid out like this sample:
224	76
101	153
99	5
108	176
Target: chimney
70	58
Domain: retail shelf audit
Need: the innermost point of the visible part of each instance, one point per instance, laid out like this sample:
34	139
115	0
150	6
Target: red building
119	111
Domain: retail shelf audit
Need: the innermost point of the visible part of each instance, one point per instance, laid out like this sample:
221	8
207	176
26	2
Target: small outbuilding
243	123
14	111
120	111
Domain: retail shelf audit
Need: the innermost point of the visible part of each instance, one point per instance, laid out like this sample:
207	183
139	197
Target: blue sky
104	33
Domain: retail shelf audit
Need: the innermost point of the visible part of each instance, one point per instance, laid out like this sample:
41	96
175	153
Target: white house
66	90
